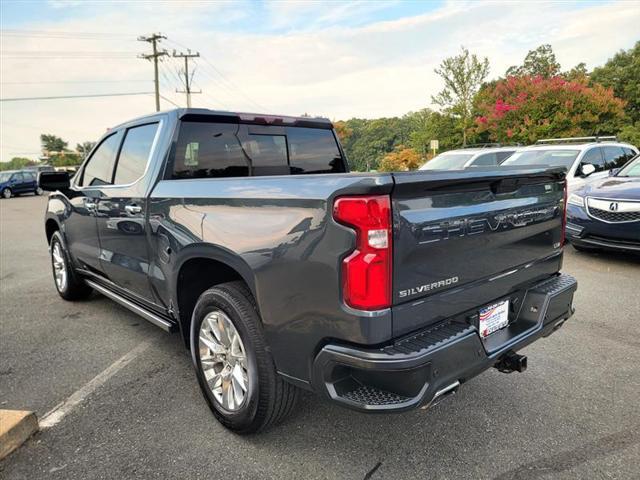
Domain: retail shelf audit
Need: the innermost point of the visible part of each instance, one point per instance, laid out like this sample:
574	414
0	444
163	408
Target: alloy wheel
59	267
224	360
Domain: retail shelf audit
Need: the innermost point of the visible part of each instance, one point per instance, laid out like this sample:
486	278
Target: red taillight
366	272
564	216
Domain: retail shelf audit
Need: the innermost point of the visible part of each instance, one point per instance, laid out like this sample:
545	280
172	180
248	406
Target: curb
16	426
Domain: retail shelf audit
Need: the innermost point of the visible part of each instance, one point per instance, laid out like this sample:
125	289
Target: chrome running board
128	304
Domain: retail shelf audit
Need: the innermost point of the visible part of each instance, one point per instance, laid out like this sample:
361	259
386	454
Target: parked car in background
606	213
585	158
17	182
469	157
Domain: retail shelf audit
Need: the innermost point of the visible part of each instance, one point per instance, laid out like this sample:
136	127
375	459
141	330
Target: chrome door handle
132	209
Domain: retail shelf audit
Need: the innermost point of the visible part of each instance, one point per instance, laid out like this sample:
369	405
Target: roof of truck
205	114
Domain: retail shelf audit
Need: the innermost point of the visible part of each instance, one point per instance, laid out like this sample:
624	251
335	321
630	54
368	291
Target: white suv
583	160
469	157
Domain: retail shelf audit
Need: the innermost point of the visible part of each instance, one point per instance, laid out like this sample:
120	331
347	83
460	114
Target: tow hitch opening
512	362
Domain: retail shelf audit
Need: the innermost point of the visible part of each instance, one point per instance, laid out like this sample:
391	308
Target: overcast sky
336	59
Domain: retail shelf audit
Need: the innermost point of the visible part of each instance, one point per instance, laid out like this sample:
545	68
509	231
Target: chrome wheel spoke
239	377
214	347
223	360
59	267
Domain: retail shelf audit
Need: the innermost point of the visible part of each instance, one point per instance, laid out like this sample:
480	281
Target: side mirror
52	181
613	172
587	169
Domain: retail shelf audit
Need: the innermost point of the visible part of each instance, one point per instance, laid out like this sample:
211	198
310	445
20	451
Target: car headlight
575	199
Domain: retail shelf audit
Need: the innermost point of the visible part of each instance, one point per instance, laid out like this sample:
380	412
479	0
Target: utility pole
153	40
187	79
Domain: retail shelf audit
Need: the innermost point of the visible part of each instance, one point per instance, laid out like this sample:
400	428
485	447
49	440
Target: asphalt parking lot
575	413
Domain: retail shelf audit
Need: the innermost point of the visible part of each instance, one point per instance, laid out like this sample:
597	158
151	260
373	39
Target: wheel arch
198	268
51	226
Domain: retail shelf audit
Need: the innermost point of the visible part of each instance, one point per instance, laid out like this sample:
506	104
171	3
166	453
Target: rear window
551	157
206	150
313	150
210	150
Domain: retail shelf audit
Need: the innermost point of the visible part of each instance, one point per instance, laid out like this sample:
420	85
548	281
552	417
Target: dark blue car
16	182
606	213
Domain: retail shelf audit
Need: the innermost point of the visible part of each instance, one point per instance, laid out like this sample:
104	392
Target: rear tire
68	284
7	193
267	398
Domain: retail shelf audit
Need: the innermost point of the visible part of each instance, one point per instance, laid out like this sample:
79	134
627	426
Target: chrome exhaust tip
441	394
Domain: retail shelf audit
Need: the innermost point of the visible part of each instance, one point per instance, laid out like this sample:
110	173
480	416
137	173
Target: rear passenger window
313	150
206	150
629	153
502	156
134	154
614	157
99	168
486	159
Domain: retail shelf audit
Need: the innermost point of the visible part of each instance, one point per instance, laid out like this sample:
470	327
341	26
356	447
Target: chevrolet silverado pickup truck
281	270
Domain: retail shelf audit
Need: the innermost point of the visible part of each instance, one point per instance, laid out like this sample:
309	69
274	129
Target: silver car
469	157
584	158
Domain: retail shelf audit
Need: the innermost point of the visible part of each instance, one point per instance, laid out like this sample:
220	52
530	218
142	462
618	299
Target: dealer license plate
493	318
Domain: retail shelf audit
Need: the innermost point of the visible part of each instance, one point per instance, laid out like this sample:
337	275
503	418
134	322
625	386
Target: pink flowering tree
527	108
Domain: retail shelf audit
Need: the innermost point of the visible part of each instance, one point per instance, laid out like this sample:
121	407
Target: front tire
235	370
7	193
67	282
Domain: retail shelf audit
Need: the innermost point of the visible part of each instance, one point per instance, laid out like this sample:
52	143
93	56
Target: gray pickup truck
281	270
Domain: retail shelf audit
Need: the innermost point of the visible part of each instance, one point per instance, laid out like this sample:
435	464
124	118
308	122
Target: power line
233	85
154	39
170	101
226	83
71	82
187	79
20	99
62	34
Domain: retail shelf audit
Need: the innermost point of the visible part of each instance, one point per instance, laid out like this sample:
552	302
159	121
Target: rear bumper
421	368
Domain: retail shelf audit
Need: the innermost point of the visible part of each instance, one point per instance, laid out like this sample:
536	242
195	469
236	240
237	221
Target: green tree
84	148
579	72
366	142
539	62
526	109
622	73
52	143
631	134
17	163
401	160
426	125
463	76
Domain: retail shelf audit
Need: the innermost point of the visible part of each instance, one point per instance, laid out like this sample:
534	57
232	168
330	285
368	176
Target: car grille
613	211
614	217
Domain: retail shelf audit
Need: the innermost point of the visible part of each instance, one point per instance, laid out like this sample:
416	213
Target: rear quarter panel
279	234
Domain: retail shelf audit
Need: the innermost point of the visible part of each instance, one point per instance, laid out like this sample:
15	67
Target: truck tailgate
461	231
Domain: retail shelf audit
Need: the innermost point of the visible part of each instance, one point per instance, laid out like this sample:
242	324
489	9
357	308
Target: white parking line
57	413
